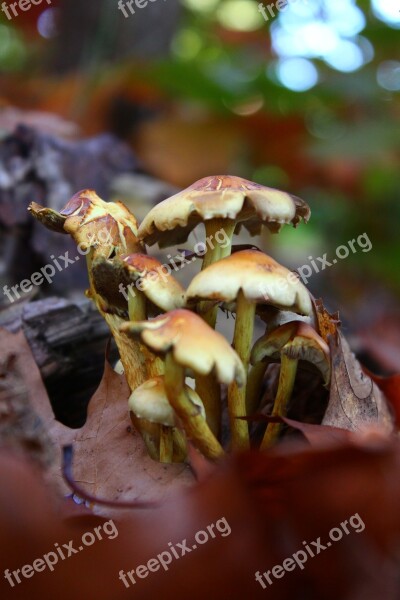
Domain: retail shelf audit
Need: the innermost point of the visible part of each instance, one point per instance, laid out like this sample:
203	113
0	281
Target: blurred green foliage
223	60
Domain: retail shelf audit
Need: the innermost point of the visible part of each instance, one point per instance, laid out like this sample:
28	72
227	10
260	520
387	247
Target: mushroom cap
141	271
156	282
193	343
297	340
149	401
222	197
48	217
93	223
260	277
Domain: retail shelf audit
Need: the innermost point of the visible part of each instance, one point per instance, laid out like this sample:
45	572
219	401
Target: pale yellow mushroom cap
142	274
260	277
297	340
154	280
221	197
149	401
193	343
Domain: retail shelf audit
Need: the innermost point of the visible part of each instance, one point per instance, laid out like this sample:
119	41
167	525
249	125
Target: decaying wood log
68	341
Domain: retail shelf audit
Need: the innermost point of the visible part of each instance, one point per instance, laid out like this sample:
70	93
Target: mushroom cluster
166	335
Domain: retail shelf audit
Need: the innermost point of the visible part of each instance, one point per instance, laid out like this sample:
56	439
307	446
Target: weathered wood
68	342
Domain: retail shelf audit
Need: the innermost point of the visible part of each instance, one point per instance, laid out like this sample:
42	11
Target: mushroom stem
146	430
214	249
152	433
136	305
287	378
214	252
89	262
244	328
155	367
133	361
180	450
254	383
209	392
194	424
166	444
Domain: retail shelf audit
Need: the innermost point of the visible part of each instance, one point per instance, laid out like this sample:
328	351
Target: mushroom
124	278
93	223
187	342
98	227
149	401
248	277
291	342
125	282
273	318
103	229
222	203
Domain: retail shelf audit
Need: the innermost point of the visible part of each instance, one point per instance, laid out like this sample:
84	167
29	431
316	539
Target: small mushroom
273	318
125	282
93	223
220	202
154	280
248	277
121	281
149	401
104	229
291	342
187	342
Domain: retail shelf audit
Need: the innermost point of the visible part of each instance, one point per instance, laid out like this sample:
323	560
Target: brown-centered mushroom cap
194	345
297	340
142	272
259	276
221	197
92	222
149	401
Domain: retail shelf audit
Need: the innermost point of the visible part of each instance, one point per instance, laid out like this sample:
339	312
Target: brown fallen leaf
110	458
355	400
390	386
19	426
272	503
316	435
